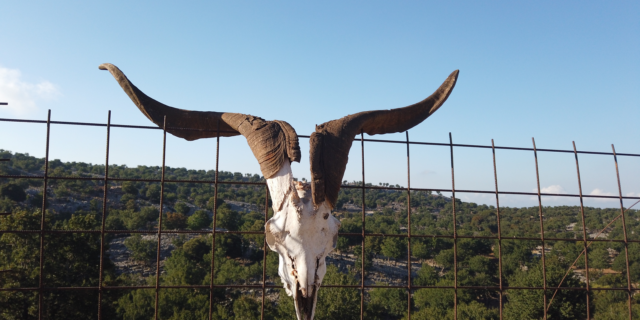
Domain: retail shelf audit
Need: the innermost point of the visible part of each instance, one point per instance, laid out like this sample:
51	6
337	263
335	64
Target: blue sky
557	71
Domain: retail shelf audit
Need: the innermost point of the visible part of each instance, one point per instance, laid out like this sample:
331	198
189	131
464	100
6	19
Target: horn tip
105	66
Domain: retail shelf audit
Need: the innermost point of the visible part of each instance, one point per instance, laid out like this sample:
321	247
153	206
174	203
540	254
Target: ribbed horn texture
331	142
270	141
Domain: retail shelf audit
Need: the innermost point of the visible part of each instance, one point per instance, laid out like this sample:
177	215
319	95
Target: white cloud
22	95
553	189
600	192
557	189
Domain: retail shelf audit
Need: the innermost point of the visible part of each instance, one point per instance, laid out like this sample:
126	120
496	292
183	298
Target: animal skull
302	230
302	235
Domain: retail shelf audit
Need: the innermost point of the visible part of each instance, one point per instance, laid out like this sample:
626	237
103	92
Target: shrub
200	219
153	192
181	207
130	188
141	249
13	192
175	221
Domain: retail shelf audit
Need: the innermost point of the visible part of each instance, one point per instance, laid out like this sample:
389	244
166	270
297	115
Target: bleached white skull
302	235
302	230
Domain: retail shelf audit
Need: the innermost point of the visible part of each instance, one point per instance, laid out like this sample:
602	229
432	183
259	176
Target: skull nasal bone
306	273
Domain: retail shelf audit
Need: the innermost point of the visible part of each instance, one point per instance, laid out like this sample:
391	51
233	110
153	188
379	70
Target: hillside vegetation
72	259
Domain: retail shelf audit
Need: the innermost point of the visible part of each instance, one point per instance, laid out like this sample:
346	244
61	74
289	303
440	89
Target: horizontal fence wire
346	186
363	187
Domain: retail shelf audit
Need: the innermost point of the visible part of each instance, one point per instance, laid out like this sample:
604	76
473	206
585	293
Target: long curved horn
270	141
331	142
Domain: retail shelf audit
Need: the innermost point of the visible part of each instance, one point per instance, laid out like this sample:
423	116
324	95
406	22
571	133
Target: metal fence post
455	234
104	215
544	267
164	151
584	230
624	229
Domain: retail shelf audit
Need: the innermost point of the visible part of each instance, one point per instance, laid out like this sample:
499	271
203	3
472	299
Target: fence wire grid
548	292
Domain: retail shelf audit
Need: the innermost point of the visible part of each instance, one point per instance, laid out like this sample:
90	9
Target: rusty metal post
363	228
264	250
42	219
164	151
104	215
544	267
455	234
495	177
213	223
624	229
584	230
408	230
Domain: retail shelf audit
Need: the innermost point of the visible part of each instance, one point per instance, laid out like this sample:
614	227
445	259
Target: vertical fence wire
624	230
408	230
495	177
164	151
264	249
544	266
42	219
213	223
584	231
455	234
363	229
104	215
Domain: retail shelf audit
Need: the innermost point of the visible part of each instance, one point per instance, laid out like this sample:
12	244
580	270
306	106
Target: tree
71	260
476	311
419	250
333	303
131	205
342	245
199	220
153	192
434	303
125	198
182	208
368	254
620	264
141	249
393	248
386	303
227	218
13	192
598	258
175	221
445	258
211	201
528	304
246	308
130	188
427	276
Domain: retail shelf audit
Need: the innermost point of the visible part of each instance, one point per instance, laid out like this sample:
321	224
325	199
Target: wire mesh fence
547	292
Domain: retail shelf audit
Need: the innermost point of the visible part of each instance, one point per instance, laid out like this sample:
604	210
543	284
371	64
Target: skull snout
307	278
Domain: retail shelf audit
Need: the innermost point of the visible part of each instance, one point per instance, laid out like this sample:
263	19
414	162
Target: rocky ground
382	270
